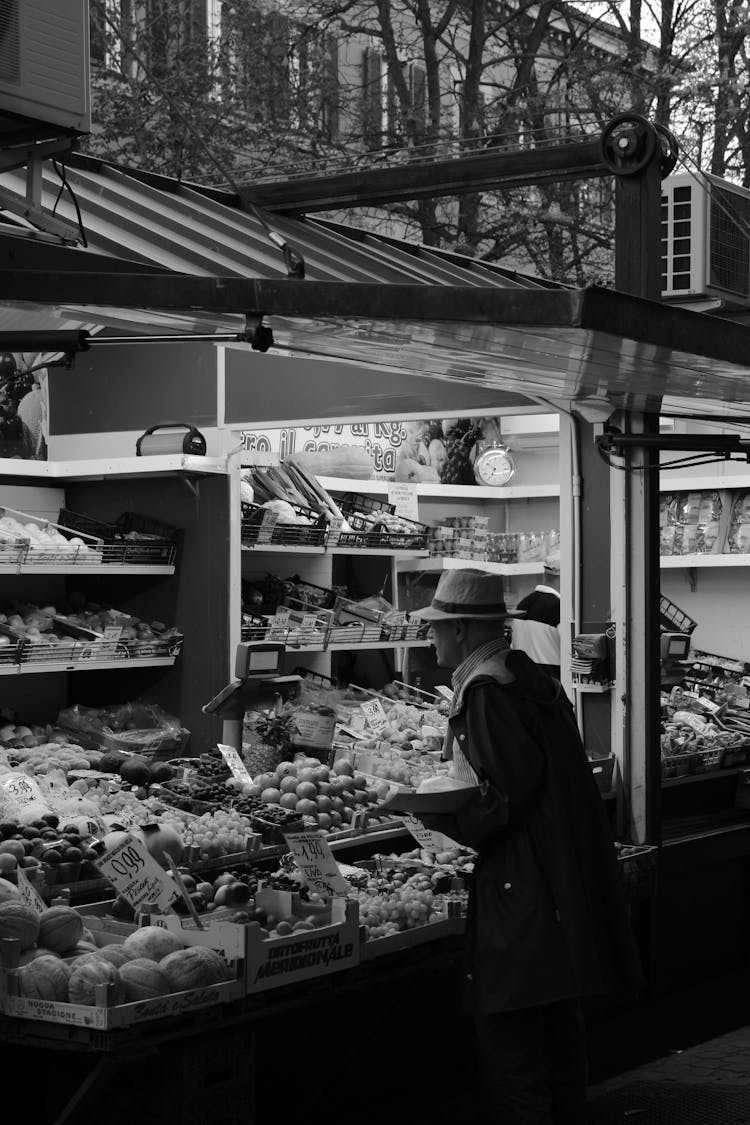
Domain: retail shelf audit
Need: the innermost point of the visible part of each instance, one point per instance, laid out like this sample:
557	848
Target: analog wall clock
494	464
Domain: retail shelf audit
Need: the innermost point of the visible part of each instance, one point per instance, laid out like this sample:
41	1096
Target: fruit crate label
375	716
313	730
136	875
403	496
237	767
28	893
425	837
316	864
267	525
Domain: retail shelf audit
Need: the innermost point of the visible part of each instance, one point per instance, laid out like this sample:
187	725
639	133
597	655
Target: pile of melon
58	959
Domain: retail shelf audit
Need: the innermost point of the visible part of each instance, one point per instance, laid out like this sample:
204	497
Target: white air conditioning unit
44	64
705	239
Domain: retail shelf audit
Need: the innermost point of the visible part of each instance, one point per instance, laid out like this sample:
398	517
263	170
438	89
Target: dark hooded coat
547	919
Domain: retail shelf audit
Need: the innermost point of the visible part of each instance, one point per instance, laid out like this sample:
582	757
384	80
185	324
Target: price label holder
316	864
110	640
267	525
237	767
279	624
403	496
136	875
375	716
334	530
425	837
28	893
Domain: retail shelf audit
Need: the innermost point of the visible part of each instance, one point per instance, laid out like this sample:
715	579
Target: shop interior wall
112	394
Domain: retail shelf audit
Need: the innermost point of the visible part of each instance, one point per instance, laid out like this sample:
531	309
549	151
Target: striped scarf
461	768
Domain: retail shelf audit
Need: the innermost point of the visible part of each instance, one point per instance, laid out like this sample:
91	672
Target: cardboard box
277	962
108	931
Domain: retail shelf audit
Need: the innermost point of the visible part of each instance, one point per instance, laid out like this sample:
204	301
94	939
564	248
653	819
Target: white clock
494	464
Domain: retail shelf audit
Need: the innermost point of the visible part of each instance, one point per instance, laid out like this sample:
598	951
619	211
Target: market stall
435	336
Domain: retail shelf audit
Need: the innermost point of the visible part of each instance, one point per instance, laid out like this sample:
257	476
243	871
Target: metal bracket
30	207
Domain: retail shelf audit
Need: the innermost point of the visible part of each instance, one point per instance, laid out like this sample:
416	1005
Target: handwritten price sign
315	861
136	875
425	837
375	716
237	767
29	894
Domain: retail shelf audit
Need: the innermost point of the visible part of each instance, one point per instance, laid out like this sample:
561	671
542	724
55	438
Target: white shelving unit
436	565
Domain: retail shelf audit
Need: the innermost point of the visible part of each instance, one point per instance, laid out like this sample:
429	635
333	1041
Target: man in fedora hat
546	923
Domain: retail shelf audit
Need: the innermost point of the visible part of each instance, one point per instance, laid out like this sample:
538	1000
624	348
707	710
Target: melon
143	979
60	927
44	978
195	967
33	953
153	942
19	921
8	891
81	948
87	975
116	954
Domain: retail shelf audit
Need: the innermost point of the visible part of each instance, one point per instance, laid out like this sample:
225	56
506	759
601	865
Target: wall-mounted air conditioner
705	239
44	62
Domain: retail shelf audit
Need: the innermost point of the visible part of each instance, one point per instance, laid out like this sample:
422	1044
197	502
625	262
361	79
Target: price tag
708	705
446	692
267	525
22	789
279	624
334	530
29	894
136	875
237	767
308	621
404	498
425	837
110	640
315	862
375	716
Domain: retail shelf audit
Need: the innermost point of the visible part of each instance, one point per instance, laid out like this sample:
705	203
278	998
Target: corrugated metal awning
367	299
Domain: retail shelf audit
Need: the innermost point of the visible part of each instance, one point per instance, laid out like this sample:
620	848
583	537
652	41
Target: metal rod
719	443
238	337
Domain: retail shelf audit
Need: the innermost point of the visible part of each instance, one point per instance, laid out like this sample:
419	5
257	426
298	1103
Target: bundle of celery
289	481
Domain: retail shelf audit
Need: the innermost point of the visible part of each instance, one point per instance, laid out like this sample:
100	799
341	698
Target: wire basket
412	536
352	502
672	619
259	526
132	540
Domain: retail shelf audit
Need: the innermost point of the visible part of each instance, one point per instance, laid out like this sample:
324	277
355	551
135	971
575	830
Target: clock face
494	466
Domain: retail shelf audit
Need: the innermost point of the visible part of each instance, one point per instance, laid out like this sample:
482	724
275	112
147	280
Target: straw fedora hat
467	593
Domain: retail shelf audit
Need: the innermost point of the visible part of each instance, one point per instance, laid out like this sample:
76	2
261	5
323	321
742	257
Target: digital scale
673	654
257	683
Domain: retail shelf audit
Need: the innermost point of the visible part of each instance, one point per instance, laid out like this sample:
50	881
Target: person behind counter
538	631
546	923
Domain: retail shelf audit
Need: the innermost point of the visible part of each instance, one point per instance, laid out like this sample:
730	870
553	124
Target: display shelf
358	552
593	689
669	483
33	666
433	490
175	464
79	568
436	564
682	562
